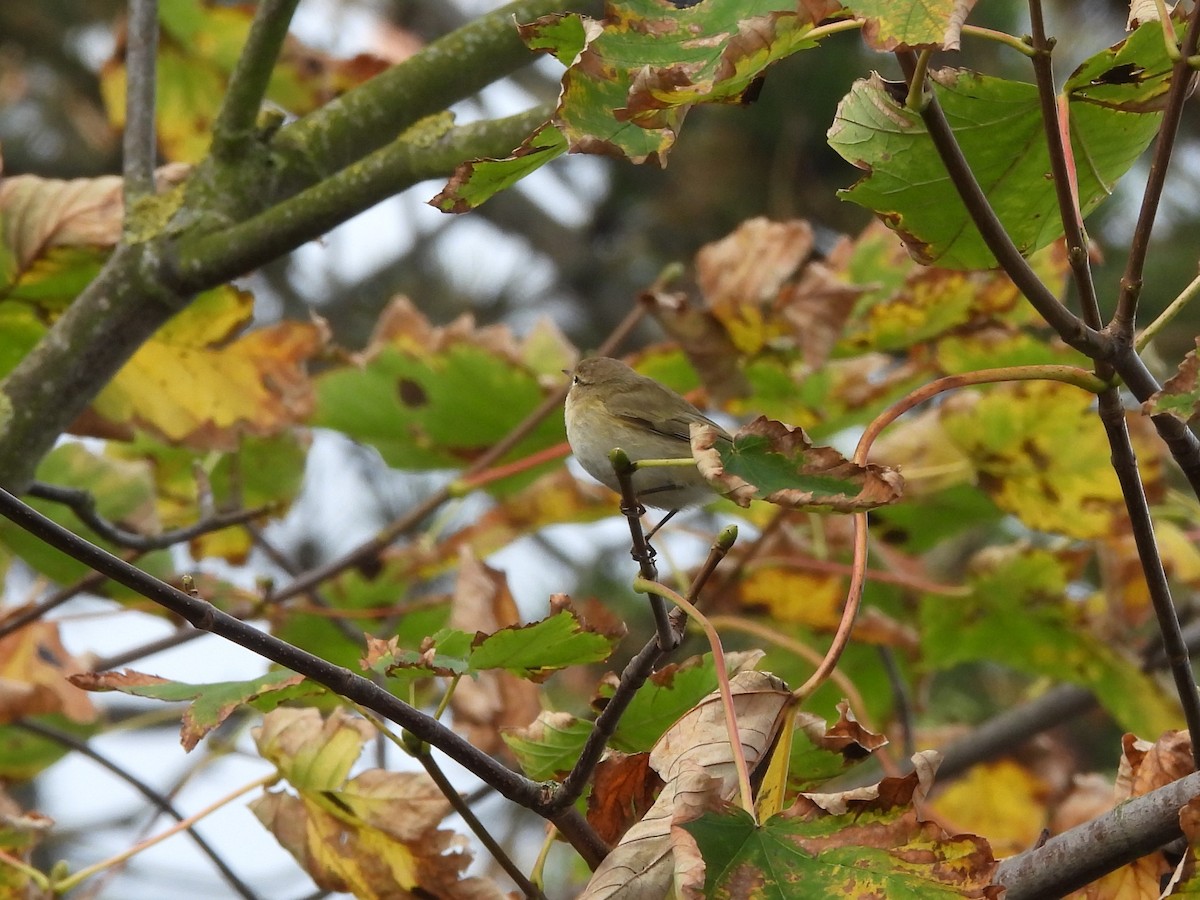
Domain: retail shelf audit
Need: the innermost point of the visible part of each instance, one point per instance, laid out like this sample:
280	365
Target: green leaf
770	461
540	648
998	124
211	704
550	746
857	854
478	180
629	89
434	411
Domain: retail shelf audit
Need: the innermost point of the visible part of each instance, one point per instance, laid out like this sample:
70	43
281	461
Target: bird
611	406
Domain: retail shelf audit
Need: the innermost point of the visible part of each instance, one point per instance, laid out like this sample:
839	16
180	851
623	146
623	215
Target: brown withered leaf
704	341
623	789
848	737
888	793
374	835
771	461
695	761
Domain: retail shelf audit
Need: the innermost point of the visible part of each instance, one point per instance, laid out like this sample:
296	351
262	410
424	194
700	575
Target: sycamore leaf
477	180
444	654
630	87
196	382
694	759
632	77
771	461
375	835
999	127
868	842
537	649
211	703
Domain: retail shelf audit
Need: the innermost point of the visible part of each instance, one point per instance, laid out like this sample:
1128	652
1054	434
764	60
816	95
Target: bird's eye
575	379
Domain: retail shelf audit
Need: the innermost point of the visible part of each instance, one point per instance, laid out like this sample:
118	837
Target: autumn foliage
925	638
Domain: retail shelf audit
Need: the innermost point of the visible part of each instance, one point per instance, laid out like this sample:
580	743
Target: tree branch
1077	857
1087	340
233	130
1182	81
83	504
204	259
341	681
139	144
1064	183
449	69
1124	463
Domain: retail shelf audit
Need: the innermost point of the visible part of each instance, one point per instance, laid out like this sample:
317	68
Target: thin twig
634	675
160	802
83	504
1058	145
233	129
1150	332
458	802
139	147
1069	327
643	553
1124	464
76	878
1125	316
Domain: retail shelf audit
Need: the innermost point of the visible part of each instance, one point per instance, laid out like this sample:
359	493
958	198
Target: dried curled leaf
771	461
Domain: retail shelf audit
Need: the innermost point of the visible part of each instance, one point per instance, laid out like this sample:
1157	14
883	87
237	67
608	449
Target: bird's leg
664	521
636	512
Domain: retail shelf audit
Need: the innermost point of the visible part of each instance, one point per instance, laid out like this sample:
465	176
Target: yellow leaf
809	598
1002	801
192	384
1040	452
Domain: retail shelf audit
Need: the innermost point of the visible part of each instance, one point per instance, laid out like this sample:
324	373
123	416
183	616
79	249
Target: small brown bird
611	406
